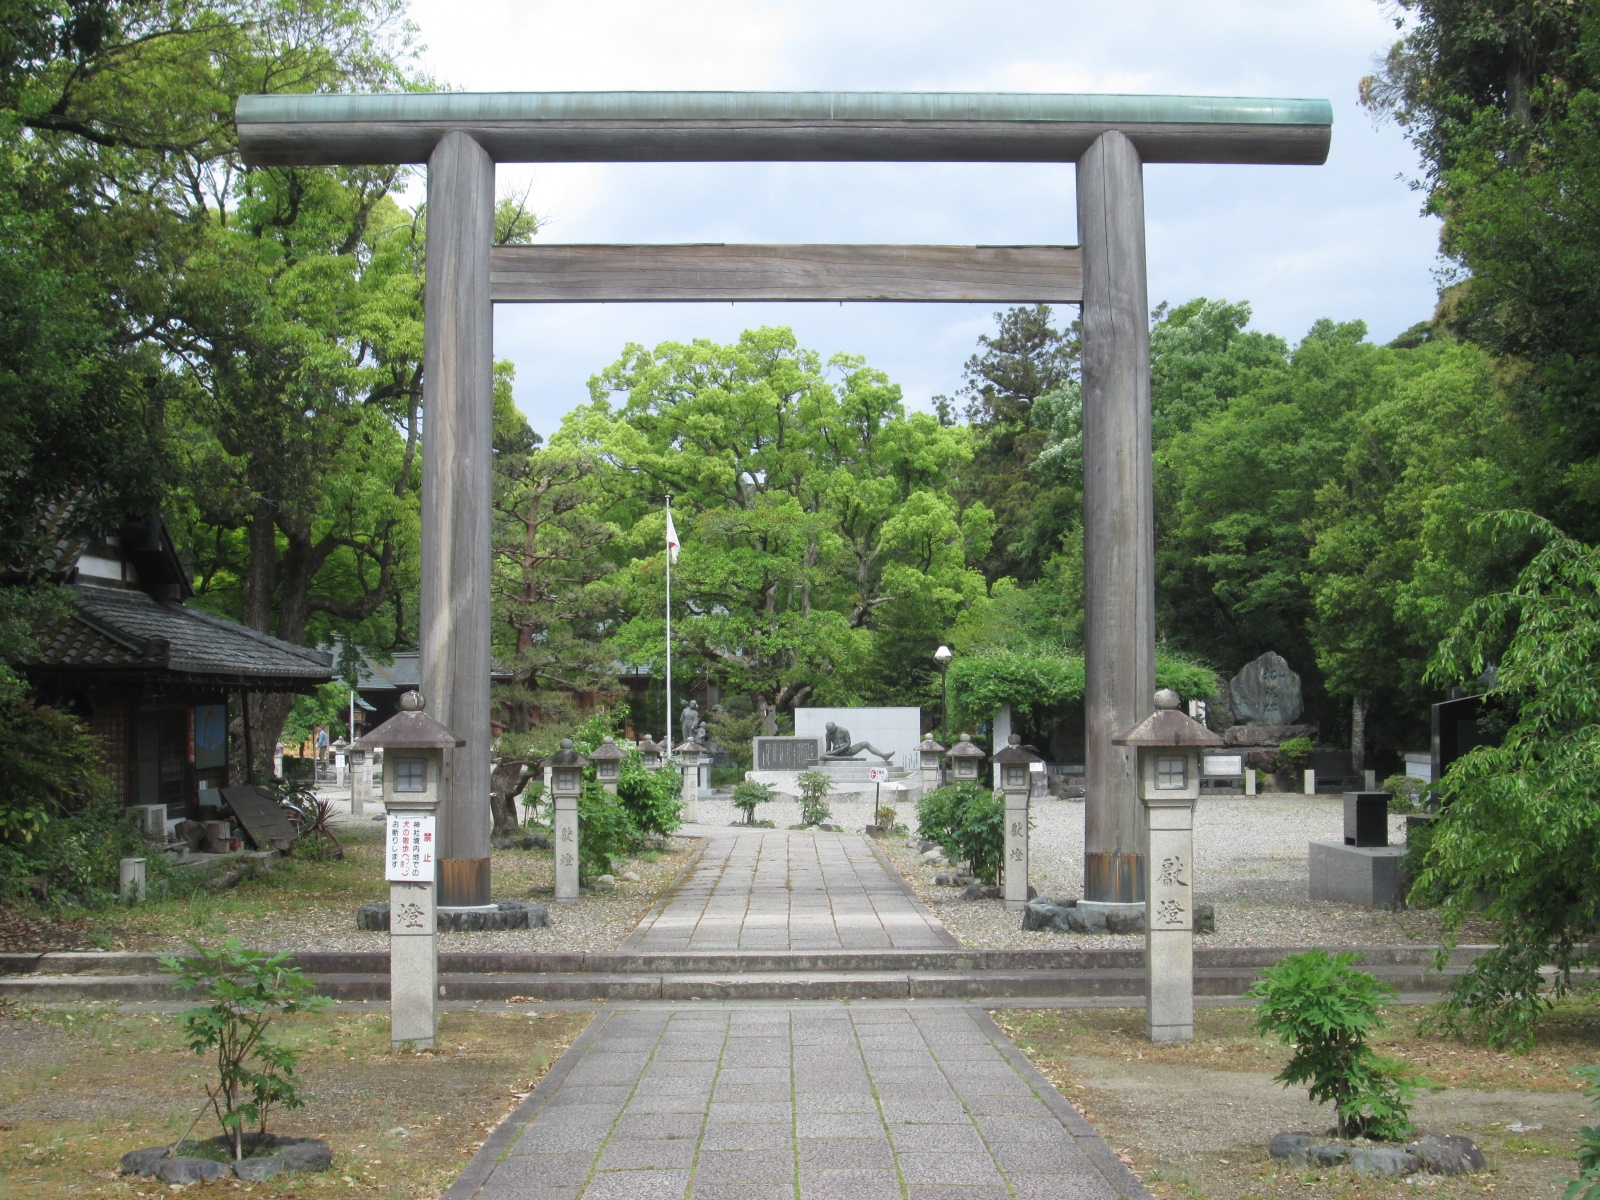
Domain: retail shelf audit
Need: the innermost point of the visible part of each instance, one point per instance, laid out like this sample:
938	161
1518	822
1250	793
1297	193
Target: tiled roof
128	629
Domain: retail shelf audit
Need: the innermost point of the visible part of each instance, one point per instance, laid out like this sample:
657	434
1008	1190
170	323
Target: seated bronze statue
839	745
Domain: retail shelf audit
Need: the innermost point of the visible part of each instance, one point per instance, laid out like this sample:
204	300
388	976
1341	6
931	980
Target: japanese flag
672	538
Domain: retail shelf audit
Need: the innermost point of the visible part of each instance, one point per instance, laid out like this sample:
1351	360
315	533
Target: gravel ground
598	921
1250	861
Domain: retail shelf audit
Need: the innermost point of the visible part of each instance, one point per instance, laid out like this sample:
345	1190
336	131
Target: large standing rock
1265	692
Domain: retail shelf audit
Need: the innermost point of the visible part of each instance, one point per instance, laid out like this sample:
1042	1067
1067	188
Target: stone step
125	963
746	985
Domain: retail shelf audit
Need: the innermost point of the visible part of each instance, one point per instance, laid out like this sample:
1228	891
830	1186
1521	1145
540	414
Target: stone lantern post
929	751
1168	743
651	753
413	784
340	749
360	779
566	781
689	753
1014	764
607	760
966	760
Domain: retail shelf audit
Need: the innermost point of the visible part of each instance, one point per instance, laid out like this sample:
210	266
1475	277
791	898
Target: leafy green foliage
814	789
1037	682
1587	1185
748	795
1405	793
245	991
1324	1010
653	798
1520	823
1292	754
606	830
969	821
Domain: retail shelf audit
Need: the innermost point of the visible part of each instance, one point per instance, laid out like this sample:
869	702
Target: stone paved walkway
799	1101
772	891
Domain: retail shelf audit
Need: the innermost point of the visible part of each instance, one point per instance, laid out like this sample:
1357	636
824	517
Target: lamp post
929	751
413	785
1015	763
607	760
942	656
566	781
689	753
1168	744
650	752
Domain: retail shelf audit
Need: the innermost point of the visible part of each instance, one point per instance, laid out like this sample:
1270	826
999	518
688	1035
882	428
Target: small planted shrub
969	821
244	992
814	789
748	795
1292	756
1319	1005
653	798
1587	1185
1405	793
606	830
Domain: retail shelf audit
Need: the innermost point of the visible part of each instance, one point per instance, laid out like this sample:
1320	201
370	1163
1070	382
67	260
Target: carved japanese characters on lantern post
1168	744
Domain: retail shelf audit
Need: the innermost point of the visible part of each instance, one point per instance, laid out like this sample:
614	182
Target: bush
814	788
1292	755
653	798
606	830
1323	1009
246	991
969	821
749	794
1587	1185
1405	793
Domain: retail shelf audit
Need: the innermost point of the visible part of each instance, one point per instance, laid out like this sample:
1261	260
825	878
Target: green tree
1520	826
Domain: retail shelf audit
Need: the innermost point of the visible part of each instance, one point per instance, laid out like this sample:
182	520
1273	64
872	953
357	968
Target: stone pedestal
1016	868
413	965
1169	922
1366	875
360	781
566	848
130	880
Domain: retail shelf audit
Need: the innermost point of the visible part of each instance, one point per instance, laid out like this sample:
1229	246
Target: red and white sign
409	853
878	774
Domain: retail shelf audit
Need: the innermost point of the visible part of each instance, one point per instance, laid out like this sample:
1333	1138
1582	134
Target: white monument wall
895	731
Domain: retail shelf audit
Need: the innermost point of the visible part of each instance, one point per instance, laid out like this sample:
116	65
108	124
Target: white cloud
1343	240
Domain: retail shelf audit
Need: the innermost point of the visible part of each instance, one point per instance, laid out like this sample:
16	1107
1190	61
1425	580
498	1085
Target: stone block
504	914
1369	876
1366	818
1448	1154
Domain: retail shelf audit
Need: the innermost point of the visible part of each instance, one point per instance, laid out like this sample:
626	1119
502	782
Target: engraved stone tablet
787	753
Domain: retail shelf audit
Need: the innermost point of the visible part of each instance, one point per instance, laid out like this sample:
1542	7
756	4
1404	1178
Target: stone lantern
1168	743
566	781
966	760
689	753
651	753
607	760
929	751
413	776
1015	764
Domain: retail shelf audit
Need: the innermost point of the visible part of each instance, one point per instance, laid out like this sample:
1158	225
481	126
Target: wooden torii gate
461	136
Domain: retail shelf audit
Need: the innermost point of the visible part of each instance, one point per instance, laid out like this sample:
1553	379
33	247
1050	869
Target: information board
1222	765
410	844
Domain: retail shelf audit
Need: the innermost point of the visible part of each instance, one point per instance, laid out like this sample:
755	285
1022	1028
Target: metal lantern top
567	756
409	729
1168	726
1014	763
929	749
650	751
690	750
607	759
966	757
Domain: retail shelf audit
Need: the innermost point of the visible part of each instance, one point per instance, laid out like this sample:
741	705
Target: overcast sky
1344	240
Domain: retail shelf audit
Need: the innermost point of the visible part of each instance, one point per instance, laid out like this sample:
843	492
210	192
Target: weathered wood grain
1118	513
458	413
711	272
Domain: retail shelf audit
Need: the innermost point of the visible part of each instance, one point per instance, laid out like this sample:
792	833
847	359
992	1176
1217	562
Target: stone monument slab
786	753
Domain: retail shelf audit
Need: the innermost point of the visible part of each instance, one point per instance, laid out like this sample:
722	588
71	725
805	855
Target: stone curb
1118	1176
482	1164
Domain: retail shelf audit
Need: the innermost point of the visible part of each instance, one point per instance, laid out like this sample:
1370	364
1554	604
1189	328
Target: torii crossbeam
461	136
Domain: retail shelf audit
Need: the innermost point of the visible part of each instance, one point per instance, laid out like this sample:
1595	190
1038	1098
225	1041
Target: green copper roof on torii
774	126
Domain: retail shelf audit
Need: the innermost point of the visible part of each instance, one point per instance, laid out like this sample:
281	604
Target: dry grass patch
82	1086
1193	1120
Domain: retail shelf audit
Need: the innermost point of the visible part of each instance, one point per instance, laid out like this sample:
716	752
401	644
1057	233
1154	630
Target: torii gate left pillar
457	438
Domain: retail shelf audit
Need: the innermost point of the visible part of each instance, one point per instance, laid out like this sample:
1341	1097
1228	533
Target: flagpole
669	632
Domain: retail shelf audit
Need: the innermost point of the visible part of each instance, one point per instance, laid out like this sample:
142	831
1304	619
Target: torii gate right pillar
1118	513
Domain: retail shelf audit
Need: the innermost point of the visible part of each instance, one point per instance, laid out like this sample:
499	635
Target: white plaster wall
895	731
